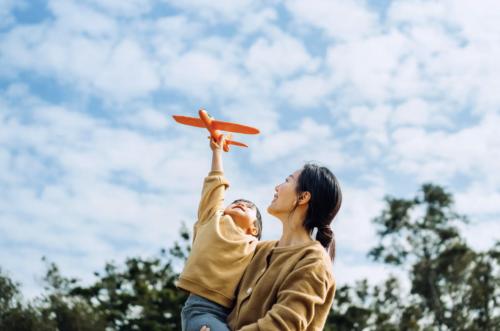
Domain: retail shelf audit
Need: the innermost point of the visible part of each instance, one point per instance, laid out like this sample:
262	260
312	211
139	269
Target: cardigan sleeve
212	197
302	291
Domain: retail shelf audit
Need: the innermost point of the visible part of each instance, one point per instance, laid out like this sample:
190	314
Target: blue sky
387	94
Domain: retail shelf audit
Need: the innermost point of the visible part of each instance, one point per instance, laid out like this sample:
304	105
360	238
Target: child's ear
254	230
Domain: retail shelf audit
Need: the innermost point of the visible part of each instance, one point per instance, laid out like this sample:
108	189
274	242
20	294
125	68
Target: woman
289	283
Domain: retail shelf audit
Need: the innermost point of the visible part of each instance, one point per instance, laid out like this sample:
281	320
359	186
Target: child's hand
204	328
217	145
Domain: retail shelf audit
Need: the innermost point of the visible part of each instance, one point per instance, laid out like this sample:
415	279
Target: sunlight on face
285	197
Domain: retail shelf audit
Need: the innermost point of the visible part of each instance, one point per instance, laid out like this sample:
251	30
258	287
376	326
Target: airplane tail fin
236	143
232	142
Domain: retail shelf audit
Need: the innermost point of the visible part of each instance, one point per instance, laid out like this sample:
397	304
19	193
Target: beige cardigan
221	250
285	288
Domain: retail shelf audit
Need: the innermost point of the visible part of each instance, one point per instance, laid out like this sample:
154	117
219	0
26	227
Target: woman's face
285	197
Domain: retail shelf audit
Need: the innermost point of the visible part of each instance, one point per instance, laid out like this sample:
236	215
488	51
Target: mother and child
237	282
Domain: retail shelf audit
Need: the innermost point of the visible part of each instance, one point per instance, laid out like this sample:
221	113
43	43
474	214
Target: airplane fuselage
208	123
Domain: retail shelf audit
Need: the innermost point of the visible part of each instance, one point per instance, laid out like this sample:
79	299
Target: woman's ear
304	197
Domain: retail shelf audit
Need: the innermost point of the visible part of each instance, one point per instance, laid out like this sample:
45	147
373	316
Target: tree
421	234
63	310
141	295
452	287
381	307
13	314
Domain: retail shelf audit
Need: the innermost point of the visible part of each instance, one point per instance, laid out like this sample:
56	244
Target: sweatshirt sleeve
212	196
303	291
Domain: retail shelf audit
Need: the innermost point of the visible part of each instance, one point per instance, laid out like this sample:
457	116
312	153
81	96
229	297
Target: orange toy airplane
213	126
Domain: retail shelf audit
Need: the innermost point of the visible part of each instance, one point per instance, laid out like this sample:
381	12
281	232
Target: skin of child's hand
216	145
204	328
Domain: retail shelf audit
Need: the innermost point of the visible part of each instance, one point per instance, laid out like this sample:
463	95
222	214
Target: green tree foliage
141	295
449	286
452	287
381	307
14	315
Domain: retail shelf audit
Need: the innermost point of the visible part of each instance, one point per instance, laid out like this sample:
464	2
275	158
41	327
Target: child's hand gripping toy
213	126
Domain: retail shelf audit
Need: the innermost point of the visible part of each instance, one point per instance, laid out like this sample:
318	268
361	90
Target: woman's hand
205	328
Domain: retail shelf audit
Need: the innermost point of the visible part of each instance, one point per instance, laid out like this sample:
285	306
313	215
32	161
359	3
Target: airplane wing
193	121
233	127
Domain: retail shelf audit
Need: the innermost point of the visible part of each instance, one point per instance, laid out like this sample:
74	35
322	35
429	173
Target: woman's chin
270	210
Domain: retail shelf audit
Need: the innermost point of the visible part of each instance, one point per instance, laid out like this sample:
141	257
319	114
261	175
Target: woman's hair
325	201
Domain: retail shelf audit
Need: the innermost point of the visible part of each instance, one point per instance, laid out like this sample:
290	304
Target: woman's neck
294	232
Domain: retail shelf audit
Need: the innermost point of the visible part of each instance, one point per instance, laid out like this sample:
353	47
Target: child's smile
243	215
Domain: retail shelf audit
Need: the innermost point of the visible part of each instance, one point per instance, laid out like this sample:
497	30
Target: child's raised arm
216	147
212	195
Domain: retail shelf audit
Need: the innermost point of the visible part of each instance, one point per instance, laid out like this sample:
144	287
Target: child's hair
257	212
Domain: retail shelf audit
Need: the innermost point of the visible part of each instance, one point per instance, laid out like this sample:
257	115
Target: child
224	241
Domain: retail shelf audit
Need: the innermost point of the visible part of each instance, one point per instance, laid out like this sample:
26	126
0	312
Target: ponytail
326	198
326	238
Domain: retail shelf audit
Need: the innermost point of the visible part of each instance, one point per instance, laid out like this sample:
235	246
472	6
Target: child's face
243	215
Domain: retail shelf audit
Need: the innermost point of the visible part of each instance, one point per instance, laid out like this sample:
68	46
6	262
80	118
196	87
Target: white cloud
343	20
416	12
479	199
372	66
481	234
476	23
253	22
305	91
288	143
147	118
353	227
121	71
215	10
83	48
440	155
6	9
457	48
94	192
125	8
419	113
374	120
127	72
80	18
412	93
201	74
468	74
348	272
171	35
277	57
253	112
